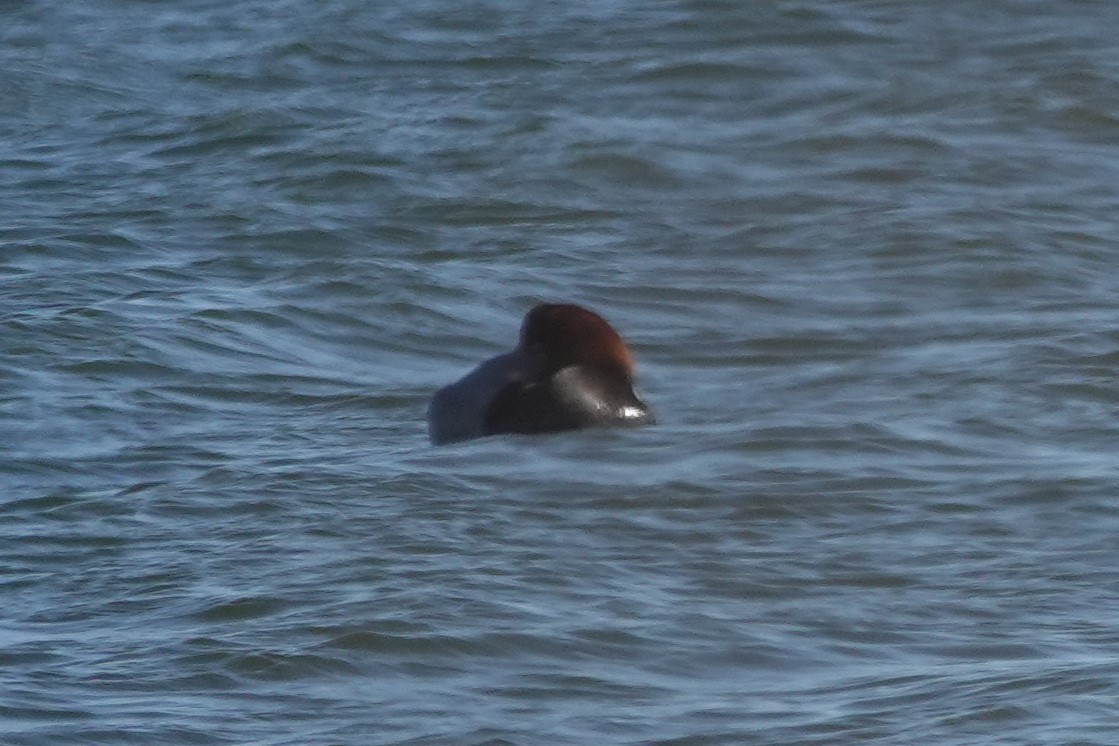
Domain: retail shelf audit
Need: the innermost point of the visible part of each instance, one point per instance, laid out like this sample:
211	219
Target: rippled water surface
865	253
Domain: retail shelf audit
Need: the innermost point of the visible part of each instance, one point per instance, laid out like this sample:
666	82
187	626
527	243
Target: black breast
572	398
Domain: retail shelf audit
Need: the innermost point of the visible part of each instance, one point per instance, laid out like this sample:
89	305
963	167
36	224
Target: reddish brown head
561	334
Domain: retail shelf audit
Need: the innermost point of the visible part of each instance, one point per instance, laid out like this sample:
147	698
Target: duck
569	370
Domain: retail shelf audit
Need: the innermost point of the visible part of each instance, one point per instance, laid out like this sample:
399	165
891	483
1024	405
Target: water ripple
863	254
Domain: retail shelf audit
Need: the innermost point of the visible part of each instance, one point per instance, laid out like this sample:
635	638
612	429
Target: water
864	252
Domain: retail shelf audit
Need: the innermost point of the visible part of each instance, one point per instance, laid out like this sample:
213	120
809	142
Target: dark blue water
864	252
